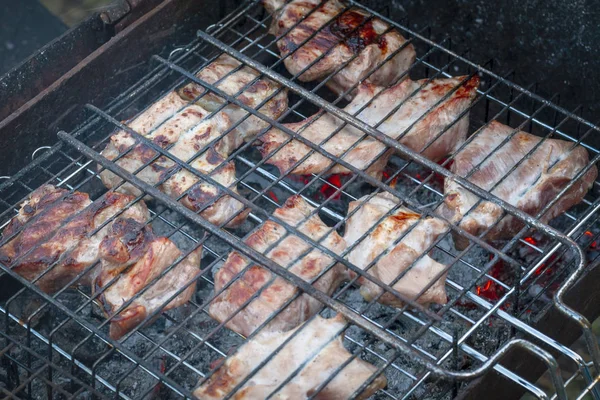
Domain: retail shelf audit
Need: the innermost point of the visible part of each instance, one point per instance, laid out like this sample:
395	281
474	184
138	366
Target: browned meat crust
286	252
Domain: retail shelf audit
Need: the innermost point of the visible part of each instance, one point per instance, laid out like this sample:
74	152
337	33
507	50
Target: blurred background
27	25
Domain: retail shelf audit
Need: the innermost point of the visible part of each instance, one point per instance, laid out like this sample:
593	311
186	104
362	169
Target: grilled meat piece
135	284
402	250
72	246
188	133
312	356
211	162
163	136
225	73
50	206
536	180
416	124
171	121
340	35
157	113
287	251
126	241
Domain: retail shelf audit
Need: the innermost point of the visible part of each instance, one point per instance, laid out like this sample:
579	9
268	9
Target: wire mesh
494	290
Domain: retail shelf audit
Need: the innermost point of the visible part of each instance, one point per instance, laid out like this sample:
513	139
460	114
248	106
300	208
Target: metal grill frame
565	241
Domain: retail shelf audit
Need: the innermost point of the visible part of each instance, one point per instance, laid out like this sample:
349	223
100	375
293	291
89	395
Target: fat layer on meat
71	247
312	356
286	249
536	180
401	250
341	36
225	73
417	123
134	284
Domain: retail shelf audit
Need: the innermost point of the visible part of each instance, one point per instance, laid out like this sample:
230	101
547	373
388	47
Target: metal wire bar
249	204
307	288
262	191
532	221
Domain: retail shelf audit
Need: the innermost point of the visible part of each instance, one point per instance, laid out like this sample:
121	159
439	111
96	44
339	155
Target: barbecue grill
507	318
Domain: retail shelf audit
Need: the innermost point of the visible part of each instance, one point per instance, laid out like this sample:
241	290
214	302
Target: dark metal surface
109	67
552	323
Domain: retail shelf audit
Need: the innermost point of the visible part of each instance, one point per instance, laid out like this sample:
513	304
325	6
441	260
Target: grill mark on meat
213	157
258	86
345	28
288	251
198	196
162	140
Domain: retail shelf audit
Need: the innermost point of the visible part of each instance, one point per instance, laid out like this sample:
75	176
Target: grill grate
461	339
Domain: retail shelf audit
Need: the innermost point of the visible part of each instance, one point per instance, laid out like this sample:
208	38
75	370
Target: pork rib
536	180
184	128
286	252
225	73
134	283
316	351
70	248
398	257
341	36
189	133
415	124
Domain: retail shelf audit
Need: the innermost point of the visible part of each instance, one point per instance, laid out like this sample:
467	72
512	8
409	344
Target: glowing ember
331	188
272	196
387	174
531	241
594	243
491	290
